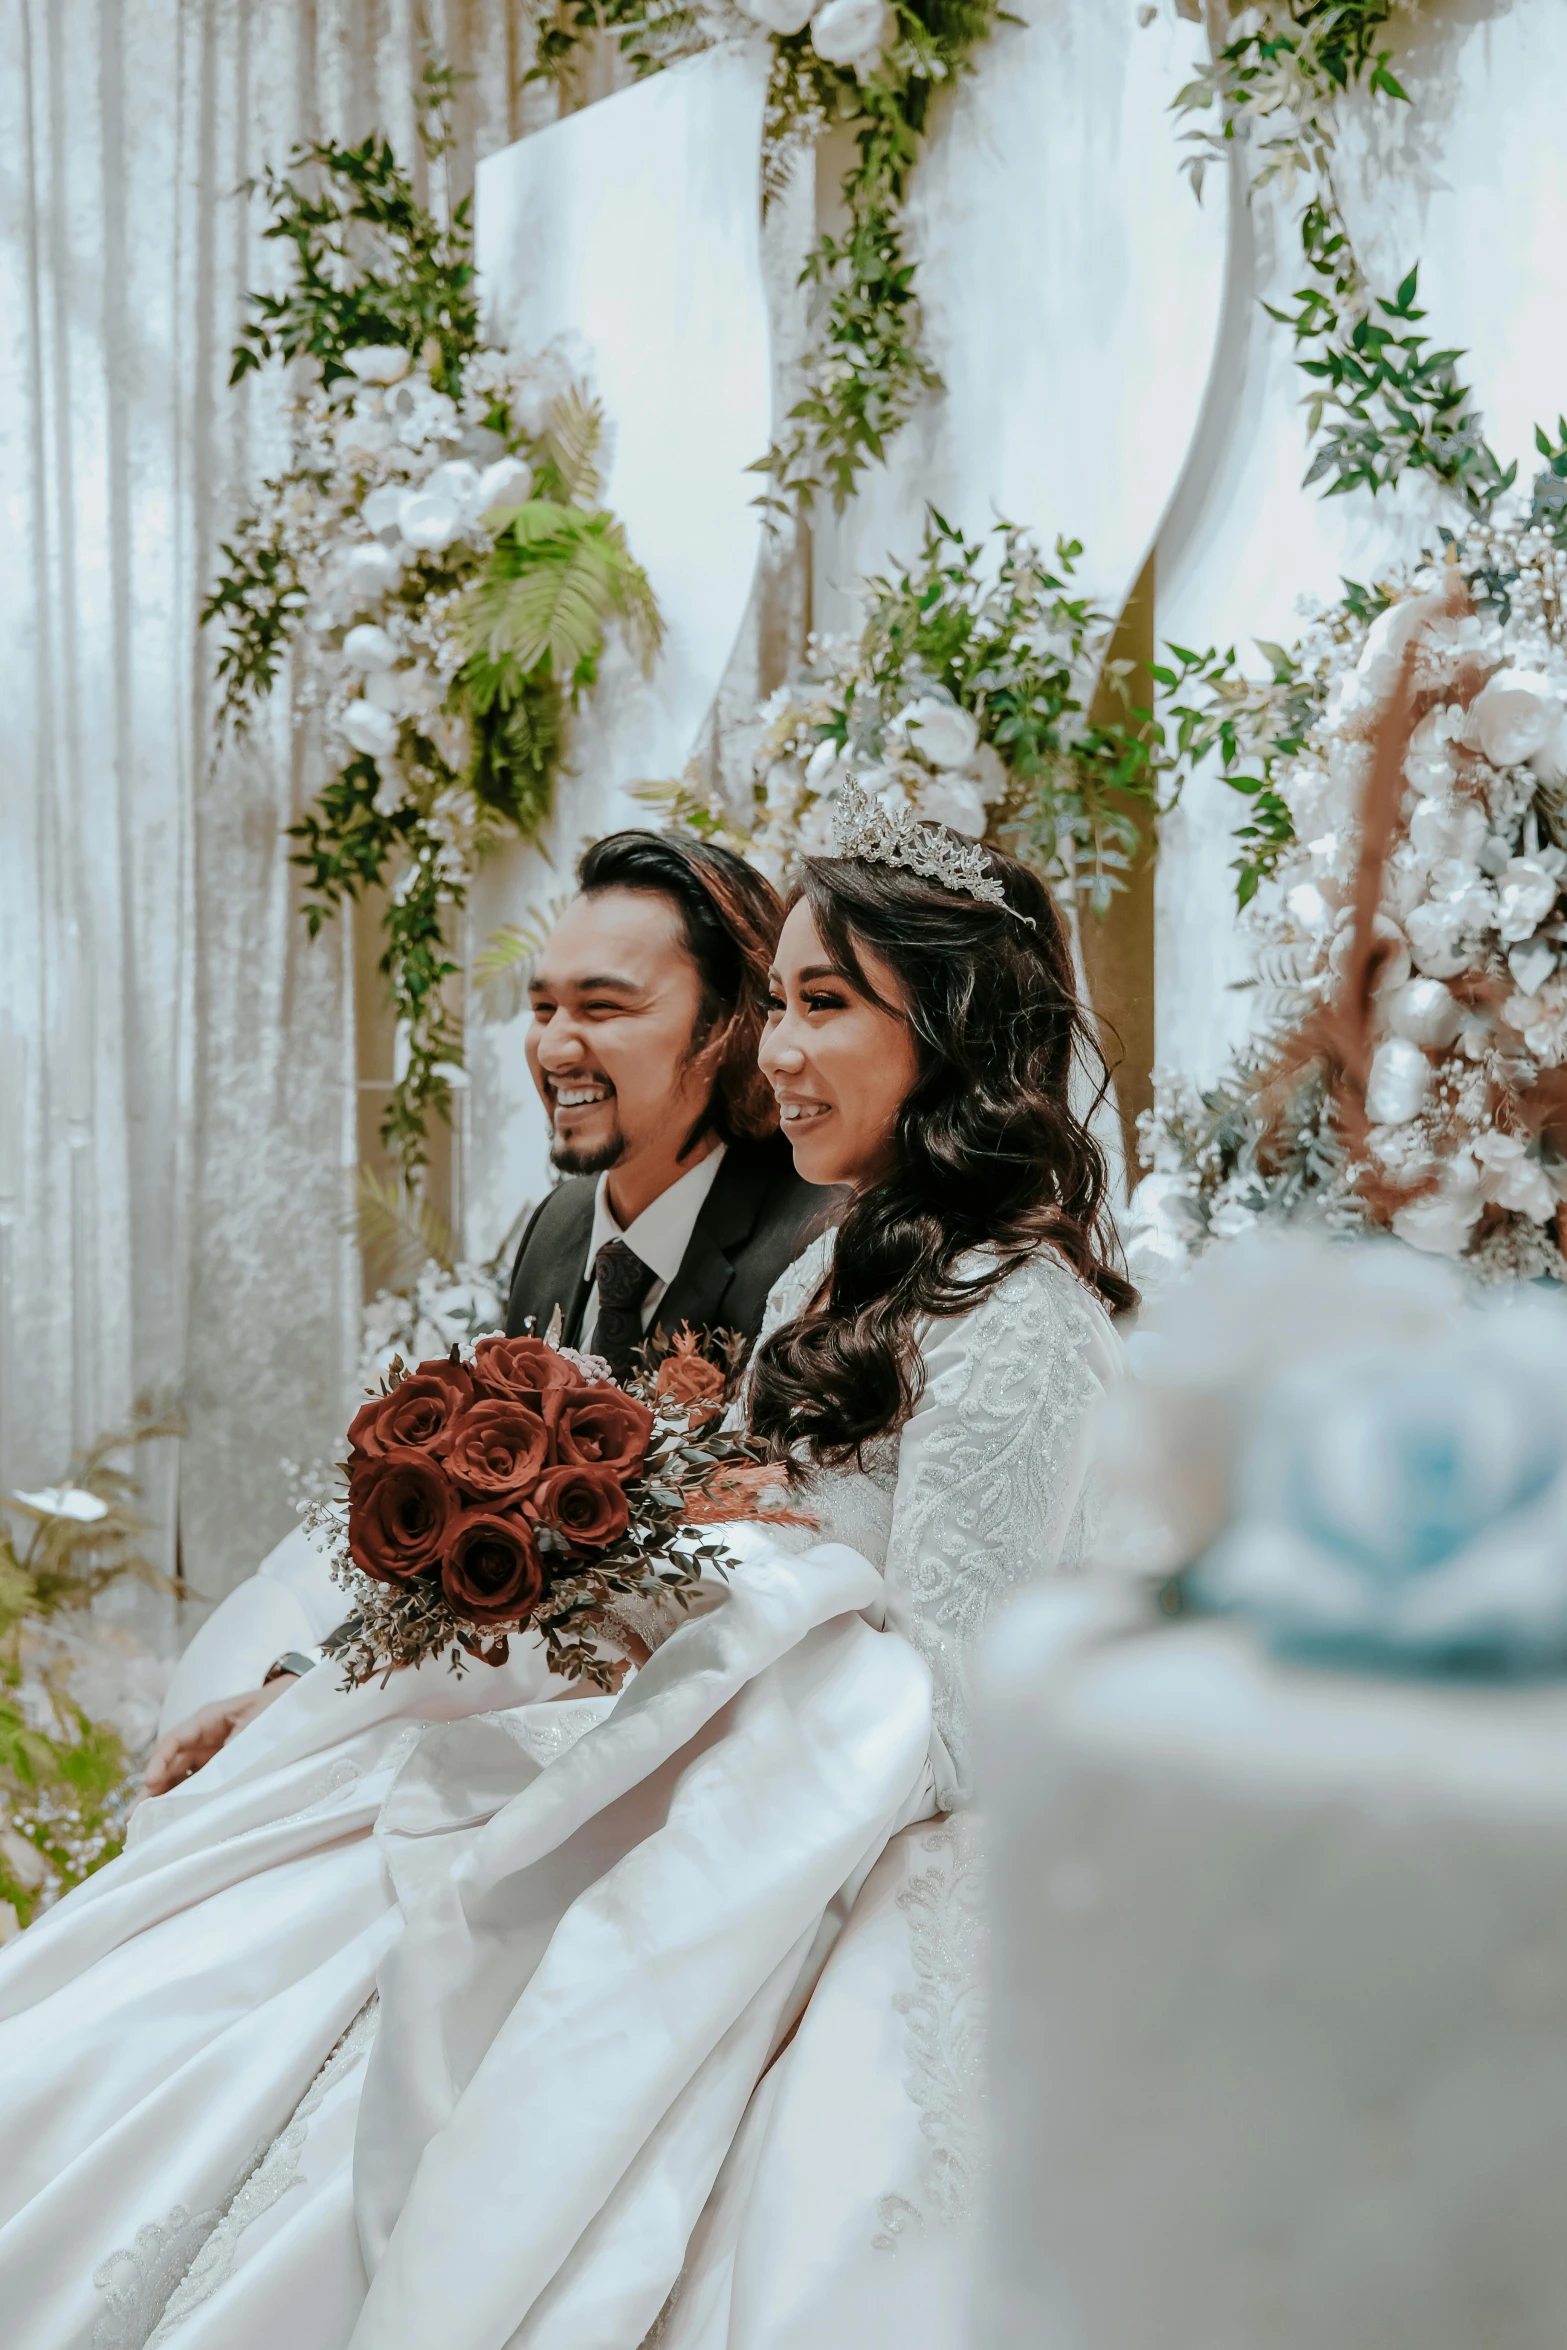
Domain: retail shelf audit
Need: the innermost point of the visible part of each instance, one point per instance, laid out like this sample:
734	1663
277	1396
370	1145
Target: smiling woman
921	1041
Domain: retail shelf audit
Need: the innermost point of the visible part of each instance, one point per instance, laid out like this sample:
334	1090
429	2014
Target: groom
681	1202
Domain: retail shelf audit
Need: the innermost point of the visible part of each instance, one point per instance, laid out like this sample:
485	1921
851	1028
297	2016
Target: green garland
867	370
480	640
1381	400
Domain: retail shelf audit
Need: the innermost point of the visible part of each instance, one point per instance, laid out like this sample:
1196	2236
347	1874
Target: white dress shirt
660	1236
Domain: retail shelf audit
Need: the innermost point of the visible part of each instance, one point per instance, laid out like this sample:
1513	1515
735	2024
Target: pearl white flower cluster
386	514
927	758
1471	1004
854	34
441	1310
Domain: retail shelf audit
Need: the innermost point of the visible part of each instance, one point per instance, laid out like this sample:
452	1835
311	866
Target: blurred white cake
1279	2053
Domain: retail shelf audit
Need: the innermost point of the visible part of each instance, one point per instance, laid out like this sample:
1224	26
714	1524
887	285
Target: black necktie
623	1281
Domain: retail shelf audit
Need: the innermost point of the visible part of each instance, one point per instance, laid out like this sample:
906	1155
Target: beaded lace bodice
983	1489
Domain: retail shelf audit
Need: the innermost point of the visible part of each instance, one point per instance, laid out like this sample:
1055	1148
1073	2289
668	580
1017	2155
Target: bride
477	2013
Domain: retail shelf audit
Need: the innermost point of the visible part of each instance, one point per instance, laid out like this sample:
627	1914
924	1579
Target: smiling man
648	1002
681	1202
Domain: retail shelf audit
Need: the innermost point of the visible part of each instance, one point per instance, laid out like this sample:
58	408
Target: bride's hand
182	1750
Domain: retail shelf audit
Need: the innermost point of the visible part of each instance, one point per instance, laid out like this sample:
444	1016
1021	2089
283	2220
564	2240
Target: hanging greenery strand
434	567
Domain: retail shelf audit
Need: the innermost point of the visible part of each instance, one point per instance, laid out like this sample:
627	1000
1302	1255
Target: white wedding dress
453	2015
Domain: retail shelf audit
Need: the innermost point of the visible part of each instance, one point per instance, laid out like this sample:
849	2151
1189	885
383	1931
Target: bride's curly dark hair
990	1151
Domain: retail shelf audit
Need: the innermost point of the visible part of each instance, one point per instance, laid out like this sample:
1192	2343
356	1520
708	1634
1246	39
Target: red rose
490	1568
586	1505
525	1371
600	1428
495	1450
415	1413
400	1508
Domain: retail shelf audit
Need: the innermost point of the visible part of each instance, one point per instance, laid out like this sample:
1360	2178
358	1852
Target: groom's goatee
579	1160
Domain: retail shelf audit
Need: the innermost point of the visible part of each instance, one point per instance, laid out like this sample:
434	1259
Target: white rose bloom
429	523
1398	1084
367	574
853	33
458	479
989	771
1550	760
368	647
1526	896
387	689
388	795
1441	1221
1433	941
378	363
1514	715
508	482
1441	830
370	730
1512	1179
1424	1012
954	801
381	509
779	16
940	731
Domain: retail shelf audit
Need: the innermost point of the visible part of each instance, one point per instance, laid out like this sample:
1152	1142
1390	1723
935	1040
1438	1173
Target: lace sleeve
797	1284
991	1475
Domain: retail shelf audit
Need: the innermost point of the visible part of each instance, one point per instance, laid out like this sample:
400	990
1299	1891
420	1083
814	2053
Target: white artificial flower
1424	1012
1398	1084
815	837
1433	939
366	574
954	801
368	647
939	731
429	523
370	730
390	795
1514	715
458	479
1439	1222
387	689
1513	1178
989	771
853	33
1531	965
363	432
382	507
1549	762
779	16
1442	830
1526	895
64	1501
378	363
508	482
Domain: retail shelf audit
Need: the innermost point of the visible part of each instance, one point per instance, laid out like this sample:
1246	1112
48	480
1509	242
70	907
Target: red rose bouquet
520	1489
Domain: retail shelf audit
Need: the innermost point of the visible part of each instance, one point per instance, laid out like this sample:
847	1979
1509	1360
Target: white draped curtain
176	1058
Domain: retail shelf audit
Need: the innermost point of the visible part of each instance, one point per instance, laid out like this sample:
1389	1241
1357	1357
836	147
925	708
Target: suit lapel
554	1265
728	1217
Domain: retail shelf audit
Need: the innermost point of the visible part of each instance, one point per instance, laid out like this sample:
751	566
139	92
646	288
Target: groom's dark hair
730	917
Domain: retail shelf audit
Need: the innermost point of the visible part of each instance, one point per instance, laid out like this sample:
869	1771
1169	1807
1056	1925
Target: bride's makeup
840	1064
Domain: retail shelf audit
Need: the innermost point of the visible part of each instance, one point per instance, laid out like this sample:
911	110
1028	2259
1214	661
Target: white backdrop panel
1471	180
1072	296
633	228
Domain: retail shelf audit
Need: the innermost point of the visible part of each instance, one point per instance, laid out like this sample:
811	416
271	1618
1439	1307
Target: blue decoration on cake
1406	1510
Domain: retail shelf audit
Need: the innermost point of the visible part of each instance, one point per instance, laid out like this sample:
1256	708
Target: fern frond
555	579
399	1230
504	966
572	437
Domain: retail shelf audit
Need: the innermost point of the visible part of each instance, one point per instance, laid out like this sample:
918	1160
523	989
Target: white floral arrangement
928	757
1465	1148
441	1308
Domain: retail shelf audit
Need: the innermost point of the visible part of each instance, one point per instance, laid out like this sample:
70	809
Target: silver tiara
863	827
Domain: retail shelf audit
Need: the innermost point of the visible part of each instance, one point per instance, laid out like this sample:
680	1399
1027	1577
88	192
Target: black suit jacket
756	1219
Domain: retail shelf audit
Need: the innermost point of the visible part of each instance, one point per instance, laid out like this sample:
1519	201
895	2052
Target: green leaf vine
867	370
434	571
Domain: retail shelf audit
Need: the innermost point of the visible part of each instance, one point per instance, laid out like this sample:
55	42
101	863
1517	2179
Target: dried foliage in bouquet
433	569
1412	944
521	1489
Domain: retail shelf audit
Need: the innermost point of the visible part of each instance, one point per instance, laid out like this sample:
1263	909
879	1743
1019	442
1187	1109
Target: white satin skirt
571	2024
